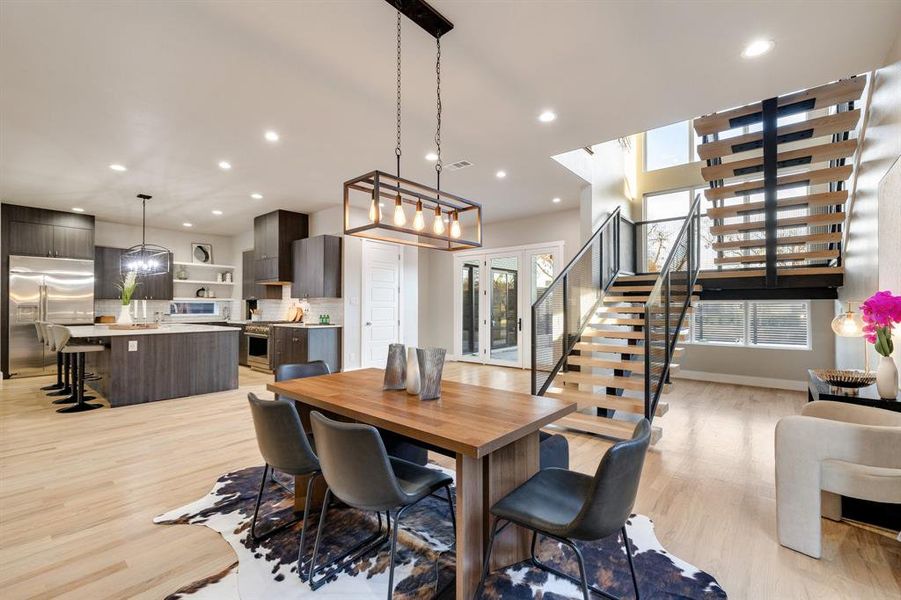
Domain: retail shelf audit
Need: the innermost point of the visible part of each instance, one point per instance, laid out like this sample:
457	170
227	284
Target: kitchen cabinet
317	267
41	232
242	349
250	289
107	275
288	345
273	234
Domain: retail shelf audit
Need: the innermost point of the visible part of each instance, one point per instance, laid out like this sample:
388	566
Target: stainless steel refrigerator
57	290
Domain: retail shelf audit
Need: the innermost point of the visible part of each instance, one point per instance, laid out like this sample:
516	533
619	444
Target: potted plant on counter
880	312
126	291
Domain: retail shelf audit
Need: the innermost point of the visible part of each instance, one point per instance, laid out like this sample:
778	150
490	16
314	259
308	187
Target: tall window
668	146
752	323
664	215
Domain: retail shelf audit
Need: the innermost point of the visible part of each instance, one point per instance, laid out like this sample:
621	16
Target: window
667	212
752	323
667	146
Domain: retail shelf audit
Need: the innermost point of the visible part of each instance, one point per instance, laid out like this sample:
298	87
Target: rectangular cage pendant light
381	206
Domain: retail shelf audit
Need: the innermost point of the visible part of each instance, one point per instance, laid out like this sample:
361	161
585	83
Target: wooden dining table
491	433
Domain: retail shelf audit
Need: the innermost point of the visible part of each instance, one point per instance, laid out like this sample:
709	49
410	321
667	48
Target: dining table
492	434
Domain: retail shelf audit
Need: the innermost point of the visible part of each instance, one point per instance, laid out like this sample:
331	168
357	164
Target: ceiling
171	88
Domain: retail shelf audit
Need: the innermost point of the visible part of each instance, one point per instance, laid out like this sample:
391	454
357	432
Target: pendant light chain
438	107
397	150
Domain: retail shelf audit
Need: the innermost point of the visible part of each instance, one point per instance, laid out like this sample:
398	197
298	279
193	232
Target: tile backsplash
225	309
277	310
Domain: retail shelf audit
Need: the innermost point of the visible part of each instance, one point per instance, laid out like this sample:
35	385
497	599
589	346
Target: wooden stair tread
823	199
637	277
635	384
783	271
792	240
845	90
635	366
611	348
789	158
593	332
618	287
620	309
816	220
786	256
808	177
612	428
809	129
608	401
634	322
641	298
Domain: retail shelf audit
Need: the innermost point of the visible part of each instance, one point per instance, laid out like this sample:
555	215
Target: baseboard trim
764	382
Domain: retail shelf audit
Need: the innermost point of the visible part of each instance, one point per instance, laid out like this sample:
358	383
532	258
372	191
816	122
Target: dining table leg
481	483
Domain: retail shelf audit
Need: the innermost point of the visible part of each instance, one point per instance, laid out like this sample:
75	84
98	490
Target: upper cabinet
53	233
250	289
107	275
317	267
273	234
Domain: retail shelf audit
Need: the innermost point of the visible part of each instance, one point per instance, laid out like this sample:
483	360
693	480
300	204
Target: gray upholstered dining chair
300	370
567	506
285	448
359	472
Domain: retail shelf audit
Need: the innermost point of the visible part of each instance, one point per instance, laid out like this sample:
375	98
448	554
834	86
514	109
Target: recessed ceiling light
188	224
224	165
500	174
547	116
271	136
556	200
256	196
431	156
757	48
77	209
217	212
117	167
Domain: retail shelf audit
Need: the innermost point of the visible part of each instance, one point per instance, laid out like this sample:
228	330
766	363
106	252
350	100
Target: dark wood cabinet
304	344
107	275
53	233
250	289
242	349
273	234
317	267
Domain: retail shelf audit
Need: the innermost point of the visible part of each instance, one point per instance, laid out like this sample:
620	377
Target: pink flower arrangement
880	312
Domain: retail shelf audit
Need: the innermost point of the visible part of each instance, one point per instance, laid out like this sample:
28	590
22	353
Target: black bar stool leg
59	374
80	405
66	390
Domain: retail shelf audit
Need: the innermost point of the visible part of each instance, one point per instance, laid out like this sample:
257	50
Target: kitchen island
172	361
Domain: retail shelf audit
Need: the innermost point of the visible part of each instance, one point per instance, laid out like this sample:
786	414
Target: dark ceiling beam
421	13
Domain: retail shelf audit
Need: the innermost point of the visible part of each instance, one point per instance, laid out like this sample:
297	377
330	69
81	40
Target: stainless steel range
258	346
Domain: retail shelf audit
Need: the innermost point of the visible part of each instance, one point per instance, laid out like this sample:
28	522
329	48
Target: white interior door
382	268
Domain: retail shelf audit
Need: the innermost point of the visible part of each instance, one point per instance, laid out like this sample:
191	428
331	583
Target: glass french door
494	293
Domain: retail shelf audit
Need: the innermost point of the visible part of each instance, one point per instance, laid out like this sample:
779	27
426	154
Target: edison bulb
418	220
438	224
373	210
455	227
400	219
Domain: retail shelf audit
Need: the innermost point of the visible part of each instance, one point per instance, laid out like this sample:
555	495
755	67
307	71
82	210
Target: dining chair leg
258	537
394	551
582	573
453	512
303	532
478	593
628	545
581	581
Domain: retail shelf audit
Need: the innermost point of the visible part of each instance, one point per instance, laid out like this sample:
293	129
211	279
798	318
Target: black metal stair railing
667	305
564	309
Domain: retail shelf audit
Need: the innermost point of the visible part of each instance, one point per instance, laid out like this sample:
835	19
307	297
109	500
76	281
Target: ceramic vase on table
887	378
396	369
124	317
431	365
412	371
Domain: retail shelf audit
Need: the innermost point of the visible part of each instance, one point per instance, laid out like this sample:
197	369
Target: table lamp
849	324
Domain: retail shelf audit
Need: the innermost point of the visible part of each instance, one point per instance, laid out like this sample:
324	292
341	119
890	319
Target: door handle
368	323
519	323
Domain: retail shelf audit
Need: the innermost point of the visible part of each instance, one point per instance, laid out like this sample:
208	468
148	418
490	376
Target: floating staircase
608	341
777	196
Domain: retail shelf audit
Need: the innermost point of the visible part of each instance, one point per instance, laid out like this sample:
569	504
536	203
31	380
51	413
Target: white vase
124	317
887	378
412	371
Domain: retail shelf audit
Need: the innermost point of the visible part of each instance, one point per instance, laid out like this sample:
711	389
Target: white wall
612	165
436	281
118	235
872	254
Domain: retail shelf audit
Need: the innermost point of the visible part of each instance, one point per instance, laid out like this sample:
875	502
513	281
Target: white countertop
304	325
85	331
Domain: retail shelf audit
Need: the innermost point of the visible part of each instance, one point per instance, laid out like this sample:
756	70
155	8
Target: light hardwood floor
78	493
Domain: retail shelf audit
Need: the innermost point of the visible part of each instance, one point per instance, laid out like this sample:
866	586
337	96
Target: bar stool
40	328
61	336
66	391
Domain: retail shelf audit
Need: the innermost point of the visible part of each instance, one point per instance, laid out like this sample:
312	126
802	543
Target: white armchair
829	450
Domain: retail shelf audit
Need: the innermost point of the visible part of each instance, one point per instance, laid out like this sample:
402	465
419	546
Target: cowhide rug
425	555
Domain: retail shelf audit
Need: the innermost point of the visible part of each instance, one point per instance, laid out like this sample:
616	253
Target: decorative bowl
847	378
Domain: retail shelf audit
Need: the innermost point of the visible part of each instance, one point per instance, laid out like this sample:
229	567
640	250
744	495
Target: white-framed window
669	146
751	323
